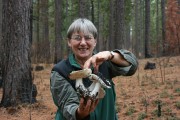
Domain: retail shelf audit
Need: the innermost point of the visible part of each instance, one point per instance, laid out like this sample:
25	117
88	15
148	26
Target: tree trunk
83	8
119	33
16	61
45	32
111	40
58	28
67	49
38	45
172	28
0	35
92	10
158	48
138	40
163	26
40	41
98	26
102	43
127	17
137	28
127	43
147	28
142	14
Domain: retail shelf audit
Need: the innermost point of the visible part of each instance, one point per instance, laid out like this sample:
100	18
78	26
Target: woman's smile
83	49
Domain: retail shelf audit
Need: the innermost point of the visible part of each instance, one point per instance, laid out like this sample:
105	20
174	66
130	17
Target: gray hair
82	25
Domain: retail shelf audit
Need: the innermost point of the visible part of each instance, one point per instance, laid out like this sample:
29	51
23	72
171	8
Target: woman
82	35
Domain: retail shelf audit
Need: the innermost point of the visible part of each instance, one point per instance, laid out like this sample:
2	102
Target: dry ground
138	96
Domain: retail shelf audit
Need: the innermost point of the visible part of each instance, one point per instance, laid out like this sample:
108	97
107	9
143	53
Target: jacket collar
74	62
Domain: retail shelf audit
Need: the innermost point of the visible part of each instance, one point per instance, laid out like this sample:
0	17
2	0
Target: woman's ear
95	43
69	44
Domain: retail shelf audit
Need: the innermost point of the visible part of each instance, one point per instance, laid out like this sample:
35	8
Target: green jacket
64	92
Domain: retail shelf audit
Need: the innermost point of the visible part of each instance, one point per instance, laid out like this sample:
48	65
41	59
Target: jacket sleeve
126	71
64	96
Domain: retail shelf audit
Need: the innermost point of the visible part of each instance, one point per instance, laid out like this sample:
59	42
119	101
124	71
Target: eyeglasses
79	38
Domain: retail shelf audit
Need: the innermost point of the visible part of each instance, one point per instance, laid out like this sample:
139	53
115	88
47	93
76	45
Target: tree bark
147	28
17	85
83	8
142	14
58	28
45	32
92	11
111	40
157	29
163	26
0	35
38	45
137	28
119	33
98	25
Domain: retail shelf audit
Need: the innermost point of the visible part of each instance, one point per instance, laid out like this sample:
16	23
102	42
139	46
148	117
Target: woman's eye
77	37
88	37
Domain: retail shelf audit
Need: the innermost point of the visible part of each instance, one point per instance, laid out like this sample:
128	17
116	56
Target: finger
94	104
88	105
101	59
93	61
96	69
87	64
81	105
97	61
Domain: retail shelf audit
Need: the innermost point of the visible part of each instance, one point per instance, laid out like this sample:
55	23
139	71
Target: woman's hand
85	108
97	59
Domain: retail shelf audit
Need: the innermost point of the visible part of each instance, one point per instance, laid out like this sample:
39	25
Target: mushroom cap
80	74
103	81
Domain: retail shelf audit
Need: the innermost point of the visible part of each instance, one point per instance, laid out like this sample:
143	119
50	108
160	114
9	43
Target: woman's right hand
85	108
97	59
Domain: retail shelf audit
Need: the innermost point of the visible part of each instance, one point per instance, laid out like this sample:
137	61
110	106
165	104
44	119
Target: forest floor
138	96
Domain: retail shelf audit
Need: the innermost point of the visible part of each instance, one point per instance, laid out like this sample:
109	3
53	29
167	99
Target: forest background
33	32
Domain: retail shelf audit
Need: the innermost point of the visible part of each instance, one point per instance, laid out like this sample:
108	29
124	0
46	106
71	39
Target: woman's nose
83	41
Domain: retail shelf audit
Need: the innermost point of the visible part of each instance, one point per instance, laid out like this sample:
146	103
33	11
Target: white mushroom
95	90
78	76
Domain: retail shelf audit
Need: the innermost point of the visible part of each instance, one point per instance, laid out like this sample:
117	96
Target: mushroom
95	90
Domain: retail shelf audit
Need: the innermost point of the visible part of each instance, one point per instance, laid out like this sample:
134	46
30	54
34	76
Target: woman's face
82	45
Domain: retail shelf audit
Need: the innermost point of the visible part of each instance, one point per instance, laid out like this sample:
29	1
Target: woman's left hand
85	108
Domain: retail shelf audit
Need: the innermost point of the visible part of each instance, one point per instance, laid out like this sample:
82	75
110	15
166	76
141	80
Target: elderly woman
82	39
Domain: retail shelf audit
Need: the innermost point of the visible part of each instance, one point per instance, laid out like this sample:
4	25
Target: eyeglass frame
79	37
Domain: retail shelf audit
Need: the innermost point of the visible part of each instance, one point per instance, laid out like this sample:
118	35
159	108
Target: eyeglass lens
79	38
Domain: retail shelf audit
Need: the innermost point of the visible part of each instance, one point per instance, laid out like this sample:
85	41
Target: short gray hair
82	25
